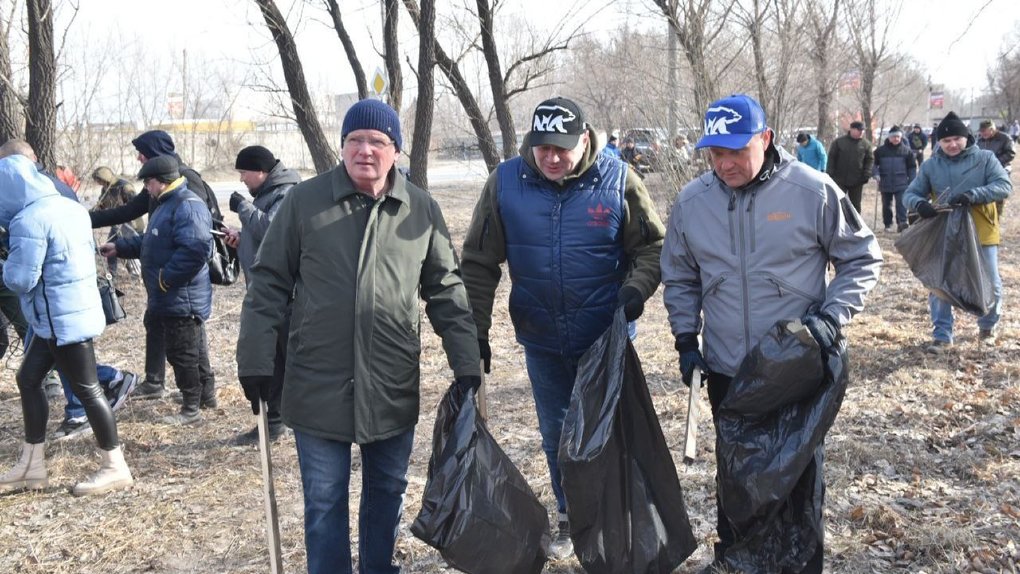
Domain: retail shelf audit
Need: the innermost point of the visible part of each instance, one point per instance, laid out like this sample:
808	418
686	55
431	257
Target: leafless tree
391	54
821	17
1004	77
426	90
323	155
11	103
40	127
772	28
352	57
496	81
872	38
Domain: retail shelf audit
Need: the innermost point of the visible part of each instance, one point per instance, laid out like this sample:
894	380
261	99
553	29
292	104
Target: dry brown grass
922	464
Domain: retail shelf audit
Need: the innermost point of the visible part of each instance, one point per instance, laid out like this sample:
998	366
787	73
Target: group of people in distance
335	267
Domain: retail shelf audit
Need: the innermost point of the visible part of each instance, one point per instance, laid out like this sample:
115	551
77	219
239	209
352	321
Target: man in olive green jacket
355	247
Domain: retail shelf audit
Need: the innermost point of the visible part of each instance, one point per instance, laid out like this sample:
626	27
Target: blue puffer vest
565	253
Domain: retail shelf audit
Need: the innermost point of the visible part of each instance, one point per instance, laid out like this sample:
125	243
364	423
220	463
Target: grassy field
923	463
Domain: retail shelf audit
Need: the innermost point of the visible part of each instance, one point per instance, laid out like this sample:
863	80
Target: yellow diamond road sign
379	82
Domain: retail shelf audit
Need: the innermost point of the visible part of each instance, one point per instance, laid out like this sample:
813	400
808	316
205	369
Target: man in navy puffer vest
581	237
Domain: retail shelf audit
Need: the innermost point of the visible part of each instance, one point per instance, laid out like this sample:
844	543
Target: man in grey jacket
268	181
748	244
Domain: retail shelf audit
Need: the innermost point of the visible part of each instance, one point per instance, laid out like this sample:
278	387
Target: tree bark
392	55
322	153
41	124
451	70
352	56
11	110
822	27
426	90
499	98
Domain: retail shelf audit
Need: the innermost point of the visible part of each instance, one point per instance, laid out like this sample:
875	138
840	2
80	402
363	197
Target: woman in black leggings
51	266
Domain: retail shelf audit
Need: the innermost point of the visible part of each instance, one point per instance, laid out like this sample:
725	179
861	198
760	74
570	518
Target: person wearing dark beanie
961	175
255	158
350	252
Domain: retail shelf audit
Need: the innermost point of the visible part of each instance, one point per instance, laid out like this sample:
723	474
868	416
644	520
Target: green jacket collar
343	186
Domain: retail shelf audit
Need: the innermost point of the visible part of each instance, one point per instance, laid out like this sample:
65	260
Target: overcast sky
935	32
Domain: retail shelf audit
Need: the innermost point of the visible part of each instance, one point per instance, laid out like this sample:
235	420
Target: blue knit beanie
372	114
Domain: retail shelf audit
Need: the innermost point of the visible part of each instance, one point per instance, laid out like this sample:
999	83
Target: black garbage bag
624	500
478	509
770	431
945	255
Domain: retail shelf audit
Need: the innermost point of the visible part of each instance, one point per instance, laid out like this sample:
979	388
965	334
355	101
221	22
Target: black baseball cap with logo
558	122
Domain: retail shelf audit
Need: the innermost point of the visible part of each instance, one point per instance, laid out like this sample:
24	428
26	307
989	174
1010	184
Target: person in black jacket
152	144
895	167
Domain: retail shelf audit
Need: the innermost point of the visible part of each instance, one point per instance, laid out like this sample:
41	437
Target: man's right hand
926	210
108	250
232	237
690	356
486	354
256	388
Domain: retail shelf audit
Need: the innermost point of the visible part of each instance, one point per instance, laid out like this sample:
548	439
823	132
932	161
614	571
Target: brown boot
113	474
29	472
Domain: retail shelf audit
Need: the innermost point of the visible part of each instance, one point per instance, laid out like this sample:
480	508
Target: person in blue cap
748	244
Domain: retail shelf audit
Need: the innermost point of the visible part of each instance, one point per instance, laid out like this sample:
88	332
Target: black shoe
276	430
208	403
901	227
117	394
150	390
185	417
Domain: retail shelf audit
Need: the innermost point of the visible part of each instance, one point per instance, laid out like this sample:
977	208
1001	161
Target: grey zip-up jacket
747	258
256	215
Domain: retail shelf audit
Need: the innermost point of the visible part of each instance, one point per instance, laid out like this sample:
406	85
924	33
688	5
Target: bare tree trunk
11	107
689	20
496	81
41	125
451	70
426	90
352	56
822	28
871	40
392	55
322	153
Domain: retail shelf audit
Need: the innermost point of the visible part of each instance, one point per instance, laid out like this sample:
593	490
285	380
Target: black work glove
823	328
468	383
961	199
926	211
236	199
486	354
256	388
632	301
690	356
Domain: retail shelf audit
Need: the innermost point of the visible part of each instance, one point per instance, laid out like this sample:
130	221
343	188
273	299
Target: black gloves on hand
925	210
632	301
690	356
823	328
236	199
256	388
468	382
961	199
486	354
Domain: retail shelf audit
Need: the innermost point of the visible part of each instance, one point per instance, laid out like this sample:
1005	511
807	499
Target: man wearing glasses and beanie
354	248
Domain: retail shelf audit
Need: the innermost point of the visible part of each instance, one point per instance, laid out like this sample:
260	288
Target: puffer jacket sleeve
854	252
26	256
192	244
998	186
681	276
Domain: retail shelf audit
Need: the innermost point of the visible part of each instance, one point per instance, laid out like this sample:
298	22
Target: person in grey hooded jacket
268	182
748	244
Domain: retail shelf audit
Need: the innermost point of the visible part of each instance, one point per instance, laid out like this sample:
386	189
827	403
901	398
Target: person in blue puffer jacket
174	250
50	265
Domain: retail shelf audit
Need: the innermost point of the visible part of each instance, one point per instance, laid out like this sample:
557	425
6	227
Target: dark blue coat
896	167
174	251
564	249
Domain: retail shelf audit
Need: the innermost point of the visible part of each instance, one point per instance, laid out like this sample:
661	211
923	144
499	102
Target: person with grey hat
894	169
850	161
349	254
174	251
581	237
964	176
748	244
268	182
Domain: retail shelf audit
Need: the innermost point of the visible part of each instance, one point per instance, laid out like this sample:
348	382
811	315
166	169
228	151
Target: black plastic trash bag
770	431
945	255
624	501
478	509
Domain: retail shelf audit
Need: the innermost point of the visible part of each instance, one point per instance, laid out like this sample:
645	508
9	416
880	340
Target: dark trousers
155	349
279	363
855	192
718	386
77	363
188	353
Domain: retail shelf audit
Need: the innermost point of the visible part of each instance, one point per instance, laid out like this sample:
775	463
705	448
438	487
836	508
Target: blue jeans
552	380
74	409
942	312
326	475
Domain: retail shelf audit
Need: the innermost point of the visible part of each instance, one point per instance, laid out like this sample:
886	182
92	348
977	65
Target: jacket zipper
731	208
49	315
744	286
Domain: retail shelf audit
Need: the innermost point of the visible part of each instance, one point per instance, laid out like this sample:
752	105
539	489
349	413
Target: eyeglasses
376	144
